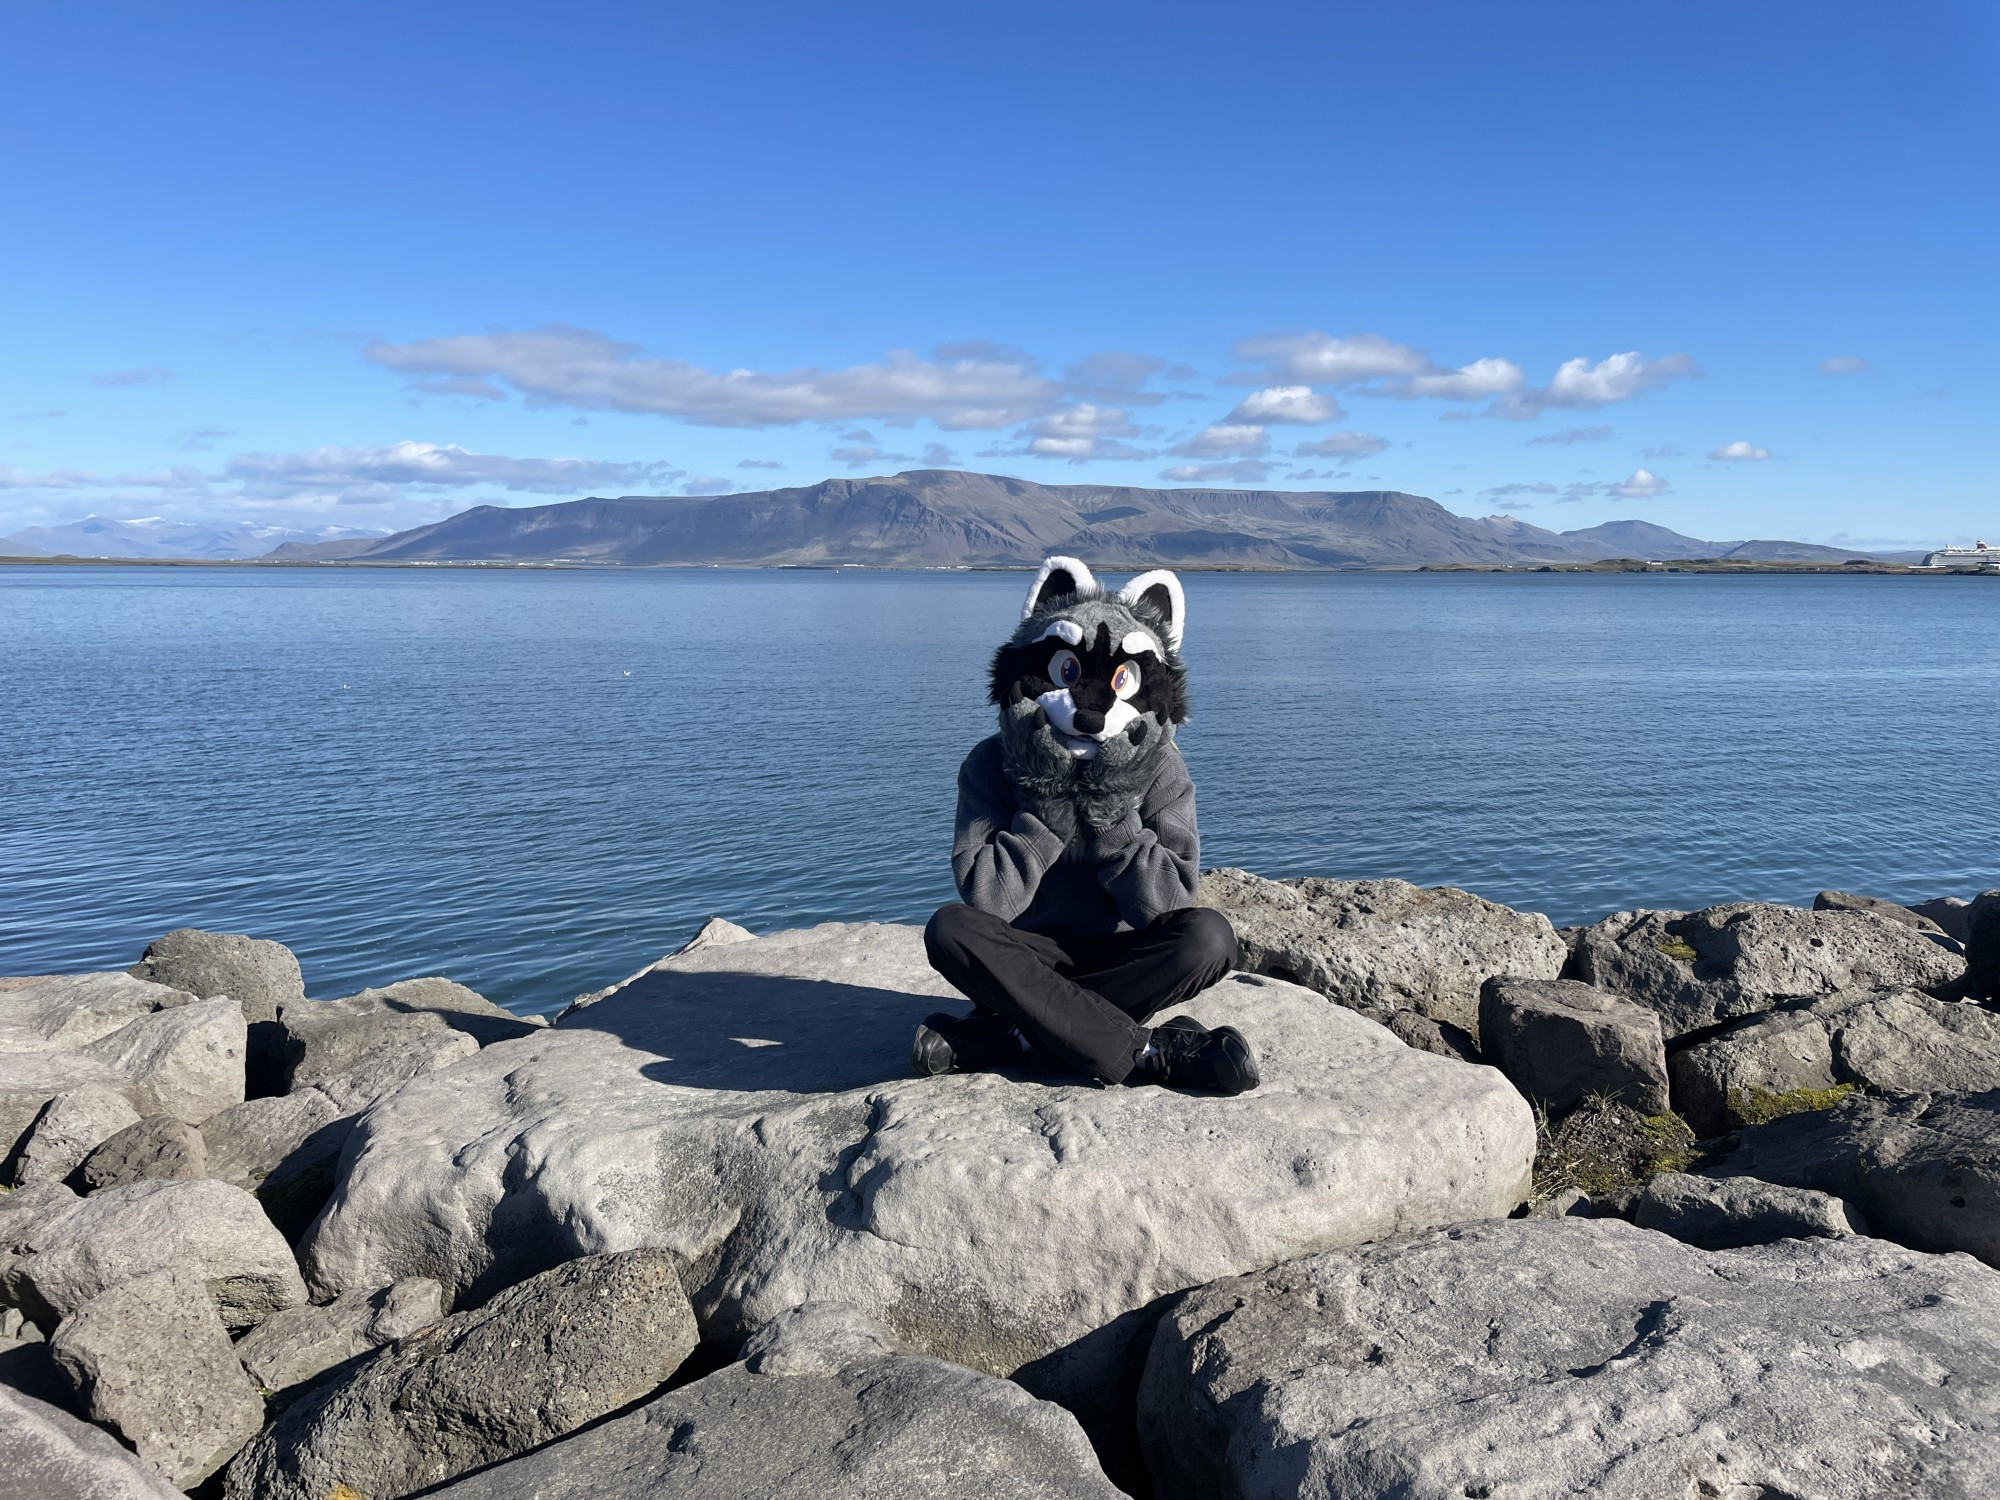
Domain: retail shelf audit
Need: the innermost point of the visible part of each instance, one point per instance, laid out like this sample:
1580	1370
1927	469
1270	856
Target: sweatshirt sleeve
998	853
1151	863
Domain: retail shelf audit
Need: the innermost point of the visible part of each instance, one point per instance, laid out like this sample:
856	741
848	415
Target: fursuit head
1089	688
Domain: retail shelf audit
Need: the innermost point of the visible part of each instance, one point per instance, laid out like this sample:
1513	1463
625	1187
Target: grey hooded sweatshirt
1010	863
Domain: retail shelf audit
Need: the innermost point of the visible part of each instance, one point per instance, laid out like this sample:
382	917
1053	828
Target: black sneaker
1186	1055
963	1044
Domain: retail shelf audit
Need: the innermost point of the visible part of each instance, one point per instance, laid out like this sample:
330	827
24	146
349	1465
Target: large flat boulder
824	1409
158	1148
1697	969
325	1037
1379	946
1725	1213
538	1361
58	1251
151	1360
1898	1041
258	974
1534	1360
747	1106
50	1455
1923	1168
1854	901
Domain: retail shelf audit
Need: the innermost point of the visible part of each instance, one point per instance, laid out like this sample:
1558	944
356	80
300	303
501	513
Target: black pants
1082	999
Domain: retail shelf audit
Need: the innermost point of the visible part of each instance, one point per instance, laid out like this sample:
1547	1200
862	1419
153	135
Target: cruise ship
1978	555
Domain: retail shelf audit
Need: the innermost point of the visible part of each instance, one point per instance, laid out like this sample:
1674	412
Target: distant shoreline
1609	565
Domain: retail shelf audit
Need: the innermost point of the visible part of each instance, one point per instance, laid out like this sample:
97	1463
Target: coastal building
1978	555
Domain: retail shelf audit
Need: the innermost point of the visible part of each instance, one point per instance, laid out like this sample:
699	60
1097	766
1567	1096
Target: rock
259	975
285	1150
538	1361
1728	1212
715	932
151	1361
1570	1203
1720	1085
67	1250
50	1455
748	1106
324	1037
157	1148
73	1010
1438	1037
1925	1169
69	1128
1559	1042
1378	946
1982	943
1849	901
390	1068
1900	1041
1948	912
1697	969
291	1347
31	1081
828	1412
186	1062
1535	1360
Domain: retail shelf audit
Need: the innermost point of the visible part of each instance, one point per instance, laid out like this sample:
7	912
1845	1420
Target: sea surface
536	781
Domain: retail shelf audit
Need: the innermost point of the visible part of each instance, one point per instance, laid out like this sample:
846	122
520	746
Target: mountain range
158	537
943	518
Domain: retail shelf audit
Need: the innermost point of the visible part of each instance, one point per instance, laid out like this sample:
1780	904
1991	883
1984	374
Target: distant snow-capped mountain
158	536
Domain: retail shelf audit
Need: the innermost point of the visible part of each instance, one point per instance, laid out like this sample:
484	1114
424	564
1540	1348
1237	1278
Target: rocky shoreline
1681	1203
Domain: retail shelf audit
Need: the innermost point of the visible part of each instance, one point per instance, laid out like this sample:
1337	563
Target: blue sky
1730	267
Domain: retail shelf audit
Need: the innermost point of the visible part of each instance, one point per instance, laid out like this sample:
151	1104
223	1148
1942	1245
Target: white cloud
1347	444
1081	433
1242	471
1643	484
375	475
1320	359
1473	382
1542	488
1843	364
1580	385
967	387
758	463
1298	404
861	455
1739	450
1220	438
702	484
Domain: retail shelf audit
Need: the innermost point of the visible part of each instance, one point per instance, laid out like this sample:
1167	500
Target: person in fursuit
1077	856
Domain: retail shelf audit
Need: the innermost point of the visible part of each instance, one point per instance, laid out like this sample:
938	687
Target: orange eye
1125	681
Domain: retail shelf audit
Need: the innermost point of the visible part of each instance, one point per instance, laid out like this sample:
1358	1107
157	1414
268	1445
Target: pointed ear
1059	576
1162	591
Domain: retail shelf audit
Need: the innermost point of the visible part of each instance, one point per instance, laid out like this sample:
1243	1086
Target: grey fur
1051	783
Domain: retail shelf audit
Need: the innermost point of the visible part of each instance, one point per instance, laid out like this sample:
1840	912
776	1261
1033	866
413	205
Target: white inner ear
1064	630
1176	610
1069	565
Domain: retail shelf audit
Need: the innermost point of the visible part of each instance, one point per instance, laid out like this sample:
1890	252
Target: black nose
1088	721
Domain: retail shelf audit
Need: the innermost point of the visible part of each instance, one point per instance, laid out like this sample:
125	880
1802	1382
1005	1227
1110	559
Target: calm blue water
534	782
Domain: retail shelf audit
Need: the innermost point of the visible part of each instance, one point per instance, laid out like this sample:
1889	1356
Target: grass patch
1675	948
1604	1146
1761	1106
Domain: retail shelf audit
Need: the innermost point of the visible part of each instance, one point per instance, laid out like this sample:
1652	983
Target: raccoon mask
1089	687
